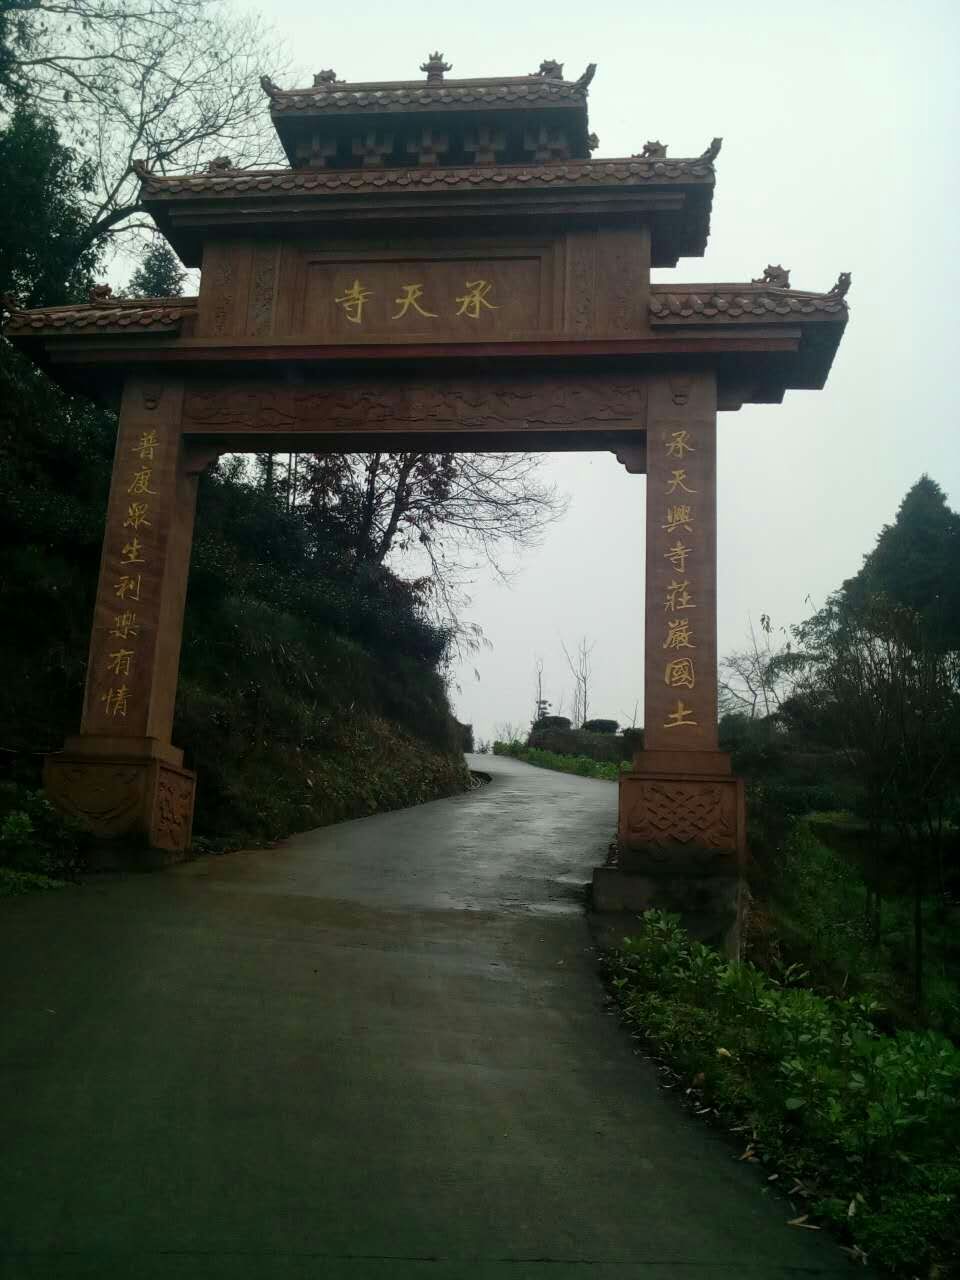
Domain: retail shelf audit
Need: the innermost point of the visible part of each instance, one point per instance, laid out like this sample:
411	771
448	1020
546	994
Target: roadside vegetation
859	1127
583	766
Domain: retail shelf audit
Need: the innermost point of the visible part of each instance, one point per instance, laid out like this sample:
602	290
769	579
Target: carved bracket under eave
197	458
634	458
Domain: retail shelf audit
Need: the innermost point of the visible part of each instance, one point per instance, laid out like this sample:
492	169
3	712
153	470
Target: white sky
840	127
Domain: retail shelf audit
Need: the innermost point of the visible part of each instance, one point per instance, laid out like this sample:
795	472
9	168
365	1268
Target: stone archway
444	267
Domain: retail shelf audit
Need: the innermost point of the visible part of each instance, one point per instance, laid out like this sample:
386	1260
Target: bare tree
581	668
457	509
754	682
507	731
541	705
171	83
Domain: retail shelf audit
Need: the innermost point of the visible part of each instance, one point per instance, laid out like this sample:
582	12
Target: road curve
378	1051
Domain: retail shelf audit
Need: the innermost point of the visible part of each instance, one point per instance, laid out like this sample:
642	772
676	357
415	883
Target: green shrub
868	1123
34	837
552	722
601	726
607	747
15	883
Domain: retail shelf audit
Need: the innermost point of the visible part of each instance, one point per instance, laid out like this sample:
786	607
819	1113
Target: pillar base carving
680	843
138	795
682	813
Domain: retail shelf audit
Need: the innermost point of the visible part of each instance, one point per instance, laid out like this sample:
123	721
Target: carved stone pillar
681	811
121	776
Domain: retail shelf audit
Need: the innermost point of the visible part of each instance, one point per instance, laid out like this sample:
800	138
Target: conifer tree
916	564
159	274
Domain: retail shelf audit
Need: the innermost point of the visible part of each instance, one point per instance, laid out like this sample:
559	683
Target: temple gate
443	267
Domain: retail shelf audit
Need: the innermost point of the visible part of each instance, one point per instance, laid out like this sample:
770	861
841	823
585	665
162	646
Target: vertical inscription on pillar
127	581
121	672
681	675
581	280
263	290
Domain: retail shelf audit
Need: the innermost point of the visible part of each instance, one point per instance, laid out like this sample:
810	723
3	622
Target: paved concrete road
378	1051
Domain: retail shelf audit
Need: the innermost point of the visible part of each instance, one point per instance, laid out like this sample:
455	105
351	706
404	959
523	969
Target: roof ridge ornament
324	77
654	151
712	151
584	81
774	277
840	289
435	67
549	70
269	87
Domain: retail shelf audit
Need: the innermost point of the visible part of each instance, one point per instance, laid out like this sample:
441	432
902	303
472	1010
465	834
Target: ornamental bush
601	726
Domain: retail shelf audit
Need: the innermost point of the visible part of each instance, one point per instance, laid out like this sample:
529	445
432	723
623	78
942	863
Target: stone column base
135	791
710	908
681	810
680	844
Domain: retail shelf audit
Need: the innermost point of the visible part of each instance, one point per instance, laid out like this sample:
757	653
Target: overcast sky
839	122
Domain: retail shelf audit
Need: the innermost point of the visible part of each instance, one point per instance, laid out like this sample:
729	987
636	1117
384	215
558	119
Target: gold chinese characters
679	671
470	304
129	586
411	296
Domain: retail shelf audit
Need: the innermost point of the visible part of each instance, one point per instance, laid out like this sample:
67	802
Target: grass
582	766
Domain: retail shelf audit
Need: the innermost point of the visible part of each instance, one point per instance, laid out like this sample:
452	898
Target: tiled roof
127	315
625	172
336	98
695	304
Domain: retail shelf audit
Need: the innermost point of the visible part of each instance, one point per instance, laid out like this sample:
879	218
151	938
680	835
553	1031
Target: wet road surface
379	1051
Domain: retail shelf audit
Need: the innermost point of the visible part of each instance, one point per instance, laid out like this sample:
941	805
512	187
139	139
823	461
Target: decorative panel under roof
434	122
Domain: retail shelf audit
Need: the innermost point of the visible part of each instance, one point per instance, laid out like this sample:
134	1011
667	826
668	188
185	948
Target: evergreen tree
55	450
159	274
45	256
916	564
